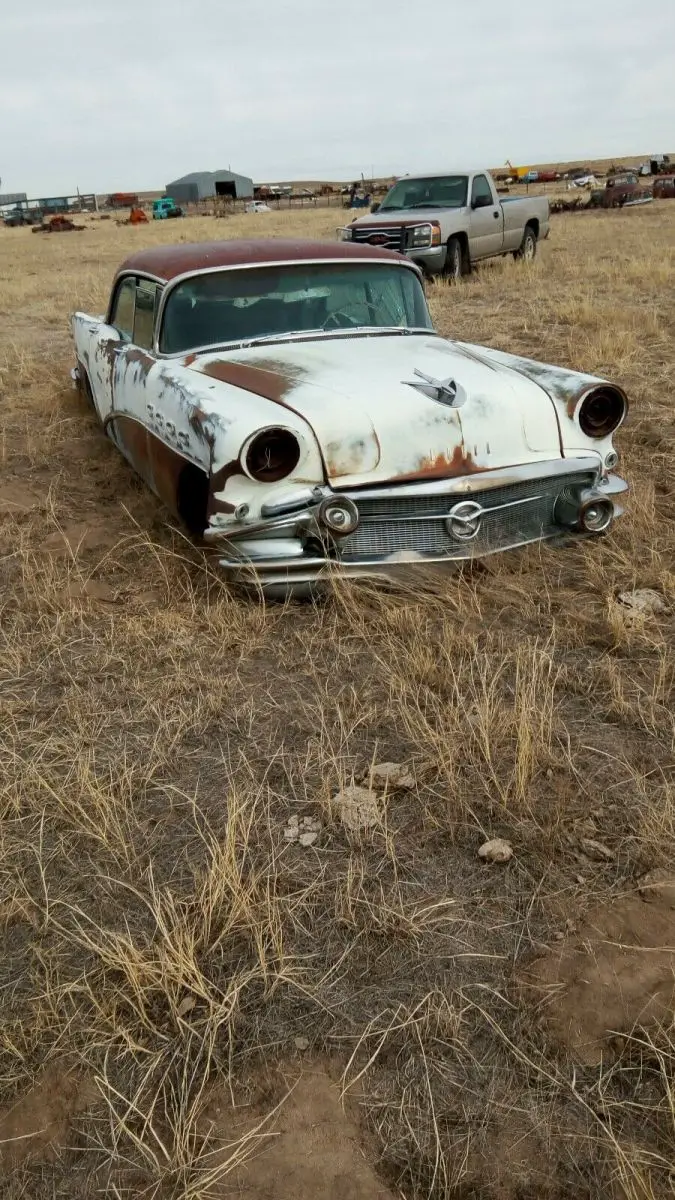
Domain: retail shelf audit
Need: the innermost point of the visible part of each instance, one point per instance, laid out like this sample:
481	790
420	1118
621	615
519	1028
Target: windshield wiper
280	336
303	334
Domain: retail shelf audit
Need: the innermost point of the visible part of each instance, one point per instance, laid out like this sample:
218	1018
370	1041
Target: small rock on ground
390	774
496	850
596	850
357	808
643	601
304	830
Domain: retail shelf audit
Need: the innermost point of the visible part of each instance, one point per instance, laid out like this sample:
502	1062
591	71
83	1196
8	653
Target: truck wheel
454	259
528	246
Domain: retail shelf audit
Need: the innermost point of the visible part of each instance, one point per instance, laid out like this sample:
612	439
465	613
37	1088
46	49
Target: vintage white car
292	404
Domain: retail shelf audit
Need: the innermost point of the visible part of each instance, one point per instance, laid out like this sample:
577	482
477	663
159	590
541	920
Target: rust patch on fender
220	477
268	384
132	439
442	467
143	360
166	465
198	421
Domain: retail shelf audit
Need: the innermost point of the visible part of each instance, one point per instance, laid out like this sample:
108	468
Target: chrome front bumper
289	548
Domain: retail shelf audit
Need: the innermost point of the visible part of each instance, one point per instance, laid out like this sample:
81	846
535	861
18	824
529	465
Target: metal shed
204	185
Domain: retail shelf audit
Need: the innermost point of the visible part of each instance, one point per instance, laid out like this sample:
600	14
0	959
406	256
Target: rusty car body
664	187
621	191
292	404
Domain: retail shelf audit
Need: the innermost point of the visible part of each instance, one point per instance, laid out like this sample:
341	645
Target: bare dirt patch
306	1146
616	975
37	1124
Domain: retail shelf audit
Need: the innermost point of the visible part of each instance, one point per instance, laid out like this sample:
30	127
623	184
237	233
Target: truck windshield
439	191
276	302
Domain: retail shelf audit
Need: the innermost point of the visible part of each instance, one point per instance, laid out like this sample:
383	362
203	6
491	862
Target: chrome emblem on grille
463	520
378	239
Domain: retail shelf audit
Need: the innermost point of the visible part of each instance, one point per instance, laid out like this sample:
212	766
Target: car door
134	361
486	232
99	341
150	415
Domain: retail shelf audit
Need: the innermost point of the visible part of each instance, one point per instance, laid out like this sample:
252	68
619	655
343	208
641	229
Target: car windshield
279	301
439	191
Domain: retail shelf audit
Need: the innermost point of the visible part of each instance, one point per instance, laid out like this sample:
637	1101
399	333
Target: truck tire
455	265
528	246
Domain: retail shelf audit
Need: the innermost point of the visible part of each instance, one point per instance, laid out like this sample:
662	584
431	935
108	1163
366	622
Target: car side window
123	309
481	192
147	299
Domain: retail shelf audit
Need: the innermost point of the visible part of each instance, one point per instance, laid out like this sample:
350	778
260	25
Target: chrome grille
394	234
417	523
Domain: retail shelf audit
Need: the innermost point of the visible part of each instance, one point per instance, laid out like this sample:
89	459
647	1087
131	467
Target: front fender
566	389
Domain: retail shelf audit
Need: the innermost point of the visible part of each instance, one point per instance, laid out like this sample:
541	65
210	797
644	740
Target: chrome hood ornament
444	391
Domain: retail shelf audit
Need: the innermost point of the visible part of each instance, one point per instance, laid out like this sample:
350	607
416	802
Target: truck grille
418	523
388	237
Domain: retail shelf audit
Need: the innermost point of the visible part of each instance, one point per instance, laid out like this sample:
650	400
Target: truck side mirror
482	202
375	207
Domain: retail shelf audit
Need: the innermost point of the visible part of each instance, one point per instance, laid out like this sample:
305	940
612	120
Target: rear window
268	302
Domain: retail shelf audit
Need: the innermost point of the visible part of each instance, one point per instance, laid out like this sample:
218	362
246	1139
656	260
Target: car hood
406	216
371	424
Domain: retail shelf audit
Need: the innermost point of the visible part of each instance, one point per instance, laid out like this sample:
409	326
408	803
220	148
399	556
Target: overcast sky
128	95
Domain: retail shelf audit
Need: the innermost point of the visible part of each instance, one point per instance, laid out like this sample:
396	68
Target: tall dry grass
163	939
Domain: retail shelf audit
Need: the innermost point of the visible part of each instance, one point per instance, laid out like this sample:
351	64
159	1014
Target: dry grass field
196	1006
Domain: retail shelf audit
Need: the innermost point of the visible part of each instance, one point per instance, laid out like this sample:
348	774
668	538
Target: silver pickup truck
447	222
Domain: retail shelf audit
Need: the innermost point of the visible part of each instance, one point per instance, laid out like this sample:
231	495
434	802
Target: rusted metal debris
58	224
137	216
564	204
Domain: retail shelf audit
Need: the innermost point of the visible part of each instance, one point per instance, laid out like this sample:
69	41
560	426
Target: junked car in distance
446	222
292	404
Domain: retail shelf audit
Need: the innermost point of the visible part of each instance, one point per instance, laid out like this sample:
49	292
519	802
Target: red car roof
166	262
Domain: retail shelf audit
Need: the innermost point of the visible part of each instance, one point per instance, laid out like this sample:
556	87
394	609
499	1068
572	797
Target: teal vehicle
164	208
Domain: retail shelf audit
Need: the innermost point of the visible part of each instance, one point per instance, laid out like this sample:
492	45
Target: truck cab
164	208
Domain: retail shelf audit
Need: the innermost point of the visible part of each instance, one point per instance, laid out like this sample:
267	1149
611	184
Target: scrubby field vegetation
195	1004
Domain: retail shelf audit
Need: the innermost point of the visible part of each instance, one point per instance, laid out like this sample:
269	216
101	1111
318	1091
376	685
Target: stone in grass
357	808
496	850
597	851
643	601
304	830
391	775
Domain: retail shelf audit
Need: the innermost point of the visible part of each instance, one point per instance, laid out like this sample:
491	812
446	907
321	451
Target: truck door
486	223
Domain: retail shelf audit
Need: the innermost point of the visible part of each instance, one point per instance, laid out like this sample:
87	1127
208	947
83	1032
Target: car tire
528	247
455	264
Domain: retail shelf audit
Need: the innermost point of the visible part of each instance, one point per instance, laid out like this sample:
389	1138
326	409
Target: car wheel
528	246
454	260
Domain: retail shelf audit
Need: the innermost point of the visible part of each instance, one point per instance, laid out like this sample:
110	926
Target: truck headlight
424	236
345	234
